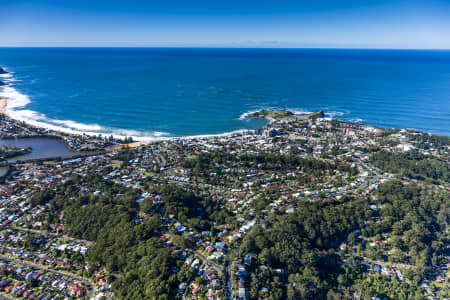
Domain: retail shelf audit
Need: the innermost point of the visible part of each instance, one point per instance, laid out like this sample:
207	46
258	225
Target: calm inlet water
152	93
3	171
41	148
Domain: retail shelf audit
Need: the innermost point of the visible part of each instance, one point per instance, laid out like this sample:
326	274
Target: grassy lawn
146	173
116	164
439	285
285	115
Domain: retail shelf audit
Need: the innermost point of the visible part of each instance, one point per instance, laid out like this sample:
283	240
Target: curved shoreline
5	102
7	106
60	129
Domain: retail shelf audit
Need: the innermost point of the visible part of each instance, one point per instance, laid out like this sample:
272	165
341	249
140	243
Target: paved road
213	265
228	281
208	262
74	277
386	263
160	160
65	237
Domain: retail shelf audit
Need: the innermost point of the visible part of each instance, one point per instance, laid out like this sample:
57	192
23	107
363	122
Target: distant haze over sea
163	92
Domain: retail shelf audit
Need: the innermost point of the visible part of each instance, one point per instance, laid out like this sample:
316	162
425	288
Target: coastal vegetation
121	245
317	209
302	245
413	164
7	152
285	115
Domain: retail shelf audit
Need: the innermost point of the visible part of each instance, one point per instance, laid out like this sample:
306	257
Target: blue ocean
151	93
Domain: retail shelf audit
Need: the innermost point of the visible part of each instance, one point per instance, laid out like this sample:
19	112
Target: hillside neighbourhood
306	207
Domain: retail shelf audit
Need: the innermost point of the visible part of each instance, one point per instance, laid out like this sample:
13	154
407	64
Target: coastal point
206	201
225	150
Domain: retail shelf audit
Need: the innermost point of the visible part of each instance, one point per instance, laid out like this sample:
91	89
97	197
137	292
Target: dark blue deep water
177	92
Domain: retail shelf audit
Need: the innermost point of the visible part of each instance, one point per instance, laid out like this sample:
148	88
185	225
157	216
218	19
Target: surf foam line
17	101
356	120
247	114
6	76
14	98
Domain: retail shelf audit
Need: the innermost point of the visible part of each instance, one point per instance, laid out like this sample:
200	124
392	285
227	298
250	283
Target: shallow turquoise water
177	92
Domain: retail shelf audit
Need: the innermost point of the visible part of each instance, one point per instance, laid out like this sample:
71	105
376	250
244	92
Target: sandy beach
3	103
130	145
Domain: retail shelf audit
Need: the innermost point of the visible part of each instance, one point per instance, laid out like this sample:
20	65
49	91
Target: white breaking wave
356	120
332	114
15	99
16	102
300	111
247	114
40	120
7	75
76	125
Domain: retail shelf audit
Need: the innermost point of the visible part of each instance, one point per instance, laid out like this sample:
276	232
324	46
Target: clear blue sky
233	23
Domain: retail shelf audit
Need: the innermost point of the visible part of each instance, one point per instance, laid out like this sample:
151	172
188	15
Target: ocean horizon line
222	47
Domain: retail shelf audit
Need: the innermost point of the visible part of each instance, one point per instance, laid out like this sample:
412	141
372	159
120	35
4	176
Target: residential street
74	277
216	267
